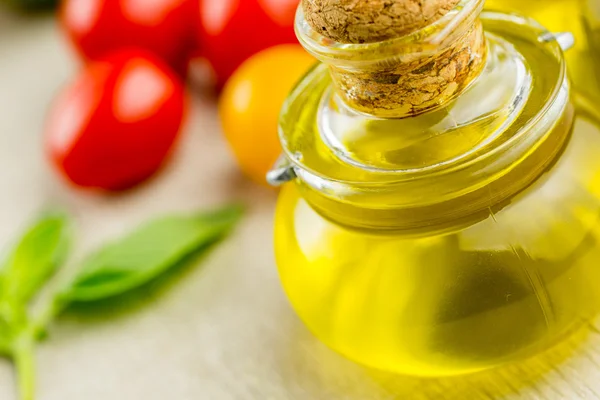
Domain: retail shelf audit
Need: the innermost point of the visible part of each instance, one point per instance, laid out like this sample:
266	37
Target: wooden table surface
222	329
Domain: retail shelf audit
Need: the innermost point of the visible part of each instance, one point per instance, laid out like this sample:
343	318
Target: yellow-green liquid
445	304
478	292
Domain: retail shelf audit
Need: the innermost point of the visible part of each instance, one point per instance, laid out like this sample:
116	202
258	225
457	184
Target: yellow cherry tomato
250	104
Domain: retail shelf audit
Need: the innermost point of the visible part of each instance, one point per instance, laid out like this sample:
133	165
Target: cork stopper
367	21
401	82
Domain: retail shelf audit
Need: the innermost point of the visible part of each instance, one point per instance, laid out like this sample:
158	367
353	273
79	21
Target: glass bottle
457	235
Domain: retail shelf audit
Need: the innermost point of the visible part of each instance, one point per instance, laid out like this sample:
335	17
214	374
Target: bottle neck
406	76
441	168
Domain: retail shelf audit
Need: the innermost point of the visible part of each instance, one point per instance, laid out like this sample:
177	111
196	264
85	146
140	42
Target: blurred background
117	112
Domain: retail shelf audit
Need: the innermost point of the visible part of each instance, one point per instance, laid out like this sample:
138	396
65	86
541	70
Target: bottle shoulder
551	216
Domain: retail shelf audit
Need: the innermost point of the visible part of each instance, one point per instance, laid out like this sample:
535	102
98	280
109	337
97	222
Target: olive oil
453	241
455	302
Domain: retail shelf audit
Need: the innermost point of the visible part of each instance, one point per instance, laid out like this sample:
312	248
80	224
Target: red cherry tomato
164	27
115	124
231	31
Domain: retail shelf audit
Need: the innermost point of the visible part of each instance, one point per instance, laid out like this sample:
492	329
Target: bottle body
457	301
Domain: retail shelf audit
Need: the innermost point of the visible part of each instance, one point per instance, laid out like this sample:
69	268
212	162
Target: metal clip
281	172
565	40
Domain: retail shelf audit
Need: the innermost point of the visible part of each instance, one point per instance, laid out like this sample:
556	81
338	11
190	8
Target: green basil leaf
35	258
147	253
